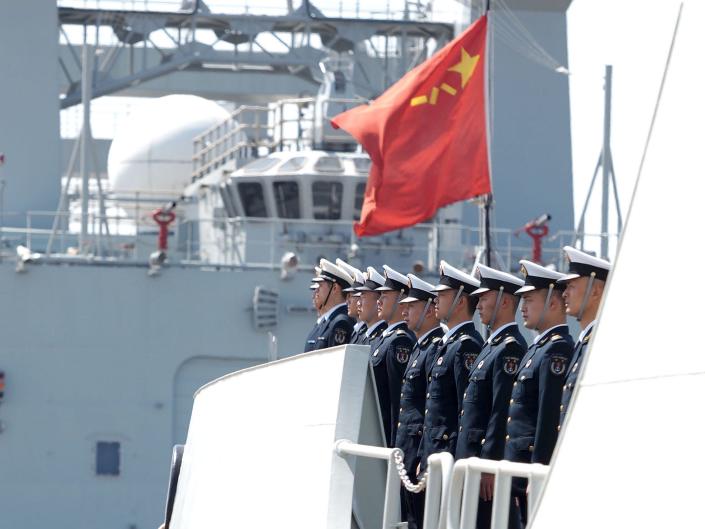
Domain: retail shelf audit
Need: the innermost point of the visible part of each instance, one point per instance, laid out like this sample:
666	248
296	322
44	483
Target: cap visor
441	288
384	289
318	279
479	291
568	277
524	290
409	299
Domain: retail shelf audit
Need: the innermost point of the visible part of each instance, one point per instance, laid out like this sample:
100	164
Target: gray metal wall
29	107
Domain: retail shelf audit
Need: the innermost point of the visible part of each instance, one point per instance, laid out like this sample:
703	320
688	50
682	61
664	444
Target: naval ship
134	272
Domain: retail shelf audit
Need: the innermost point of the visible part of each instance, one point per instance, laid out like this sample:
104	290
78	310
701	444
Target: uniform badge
402	355
470	360
440	361
558	365
340	336
511	364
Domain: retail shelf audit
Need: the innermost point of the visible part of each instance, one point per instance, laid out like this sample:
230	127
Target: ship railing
262	242
254	131
452	488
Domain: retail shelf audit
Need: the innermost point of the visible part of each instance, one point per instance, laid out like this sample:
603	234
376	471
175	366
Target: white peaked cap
393	280
331	272
491	279
419	290
537	277
583	264
453	278
358	277
373	280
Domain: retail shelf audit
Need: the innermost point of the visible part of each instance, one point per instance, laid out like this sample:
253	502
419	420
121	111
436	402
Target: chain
398	455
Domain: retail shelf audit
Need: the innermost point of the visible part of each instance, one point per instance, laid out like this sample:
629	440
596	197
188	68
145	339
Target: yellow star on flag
465	67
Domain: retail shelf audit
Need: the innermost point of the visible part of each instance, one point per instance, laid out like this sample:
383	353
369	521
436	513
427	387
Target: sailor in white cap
351	299
392	351
419	314
367	308
313	334
448	367
536	395
584	286
483	418
334	326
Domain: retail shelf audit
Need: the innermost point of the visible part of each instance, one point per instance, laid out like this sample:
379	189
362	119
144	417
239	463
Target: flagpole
487	203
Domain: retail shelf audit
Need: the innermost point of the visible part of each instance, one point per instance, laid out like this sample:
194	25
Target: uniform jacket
390	354
311	339
359	334
536	398
446	380
572	374
483	417
336	330
413	399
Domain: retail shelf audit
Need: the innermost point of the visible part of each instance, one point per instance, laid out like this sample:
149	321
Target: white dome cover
152	152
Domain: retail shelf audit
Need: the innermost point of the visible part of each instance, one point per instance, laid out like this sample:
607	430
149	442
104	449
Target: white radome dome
151	153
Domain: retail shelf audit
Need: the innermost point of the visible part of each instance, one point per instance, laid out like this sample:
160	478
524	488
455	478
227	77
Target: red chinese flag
426	136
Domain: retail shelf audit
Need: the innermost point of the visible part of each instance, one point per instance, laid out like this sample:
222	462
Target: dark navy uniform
334	330
572	373
312	338
536	396
446	380
371	338
411	418
389	356
483	418
358	334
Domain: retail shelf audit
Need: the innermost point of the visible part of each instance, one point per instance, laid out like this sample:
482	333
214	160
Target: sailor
447	369
391	352
536	394
367	308
419	314
335	327
584	286
313	334
351	296
483	417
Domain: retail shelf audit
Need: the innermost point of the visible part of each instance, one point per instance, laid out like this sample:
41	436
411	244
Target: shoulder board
436	339
587	338
556	337
401	332
465	337
510	339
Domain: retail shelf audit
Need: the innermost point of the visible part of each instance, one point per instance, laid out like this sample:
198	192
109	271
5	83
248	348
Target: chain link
398	455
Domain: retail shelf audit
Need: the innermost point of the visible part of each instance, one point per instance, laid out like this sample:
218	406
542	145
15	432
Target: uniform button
429	379
445	437
401	395
564	387
515	384
558	428
428	395
462	412
465	394
401	410
460	429
522	377
398	424
419	432
562	406
506	438
511	401
509	419
426	412
482	442
424	428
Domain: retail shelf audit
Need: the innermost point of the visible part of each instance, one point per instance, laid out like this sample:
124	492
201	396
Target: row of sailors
441	386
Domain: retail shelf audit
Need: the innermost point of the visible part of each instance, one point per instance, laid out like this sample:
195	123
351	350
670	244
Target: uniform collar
328	314
391	328
451	332
586	331
372	329
358	326
547	331
502	328
428	333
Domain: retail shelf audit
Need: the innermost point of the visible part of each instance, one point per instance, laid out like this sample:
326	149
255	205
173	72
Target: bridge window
362	165
359	199
260	166
252	198
286	196
107	458
293	165
328	164
327	200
